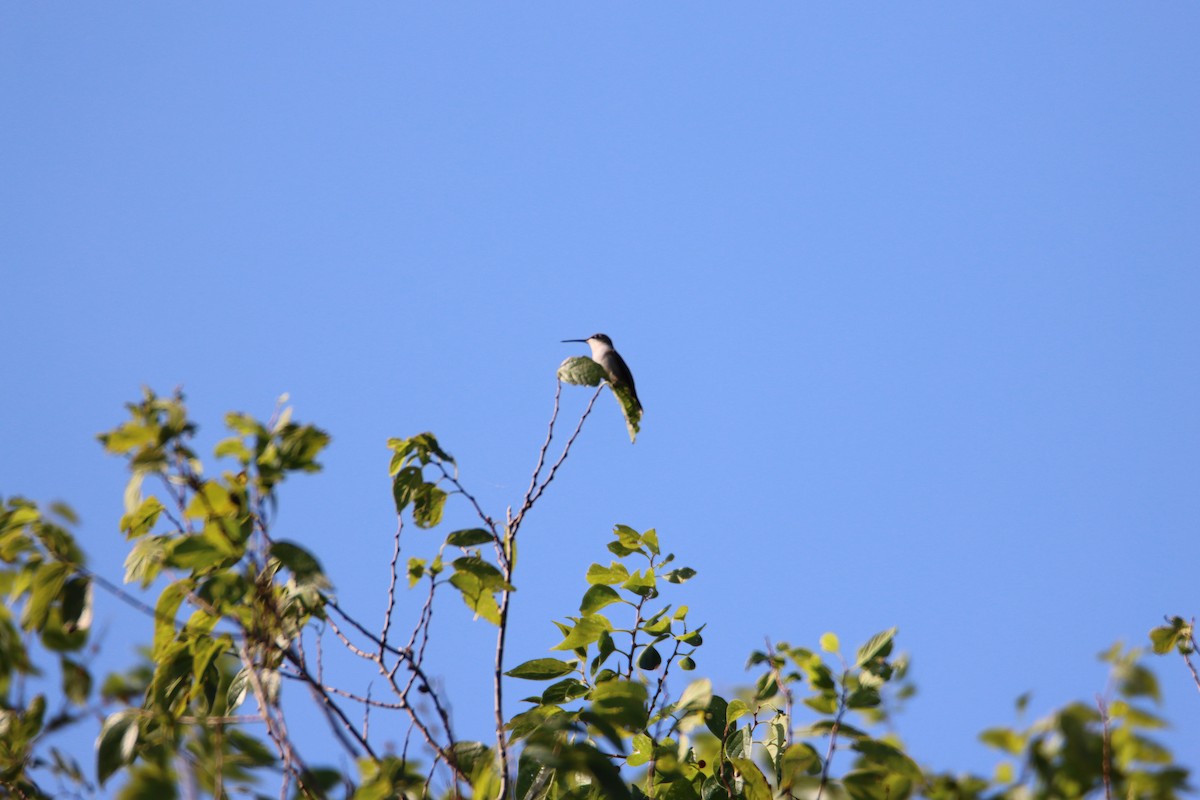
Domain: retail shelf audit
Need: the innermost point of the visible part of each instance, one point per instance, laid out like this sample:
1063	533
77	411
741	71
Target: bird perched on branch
614	366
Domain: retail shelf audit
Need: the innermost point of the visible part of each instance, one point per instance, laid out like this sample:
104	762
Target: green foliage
1082	749
1178	634
46	617
234	608
238	611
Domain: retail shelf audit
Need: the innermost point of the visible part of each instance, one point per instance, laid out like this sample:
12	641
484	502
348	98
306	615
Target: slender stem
833	732
533	498
502	739
537	470
391	592
1187	659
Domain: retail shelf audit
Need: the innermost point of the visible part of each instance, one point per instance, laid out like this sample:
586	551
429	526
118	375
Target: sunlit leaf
542	669
117	742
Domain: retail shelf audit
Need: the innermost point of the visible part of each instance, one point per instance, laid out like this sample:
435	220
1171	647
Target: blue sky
910	293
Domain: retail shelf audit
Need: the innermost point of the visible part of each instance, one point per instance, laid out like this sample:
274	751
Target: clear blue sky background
910	292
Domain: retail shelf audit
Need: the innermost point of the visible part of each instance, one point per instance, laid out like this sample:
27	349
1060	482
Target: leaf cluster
46	616
614	715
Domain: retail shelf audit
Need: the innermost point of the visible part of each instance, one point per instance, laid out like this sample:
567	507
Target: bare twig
537	470
498	665
1187	658
333	711
533	498
391	592
396	651
452	479
276	729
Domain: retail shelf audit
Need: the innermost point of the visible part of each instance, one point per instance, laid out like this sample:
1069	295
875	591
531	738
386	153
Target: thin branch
1187	659
276	729
530	500
537	470
396	651
391	592
117	591
452	478
498	672
333	712
833	732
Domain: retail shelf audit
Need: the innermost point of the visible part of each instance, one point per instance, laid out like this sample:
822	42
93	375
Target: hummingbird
614	366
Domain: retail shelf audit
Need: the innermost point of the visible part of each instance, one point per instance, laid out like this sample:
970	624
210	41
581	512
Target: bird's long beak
575	340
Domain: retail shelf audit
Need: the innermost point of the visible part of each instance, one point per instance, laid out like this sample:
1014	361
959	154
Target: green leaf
1003	739
1178	634
300	562
235	447
239	687
469	537
613	573
428	504
422	448
564	691
1135	680
542	669
47	584
77	604
142	519
739	743
622	703
117	743
735	711
64	512
146	559
888	756
128	436
797	760
76	681
597	597
864	697
476	595
581	371
416	571
587	629
680	575
405	484
605	647
621	551
754	783
824	703
641	584
650	658
642	751
245	425
164	615
696	696
489	576
715	715
201	552
878	646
